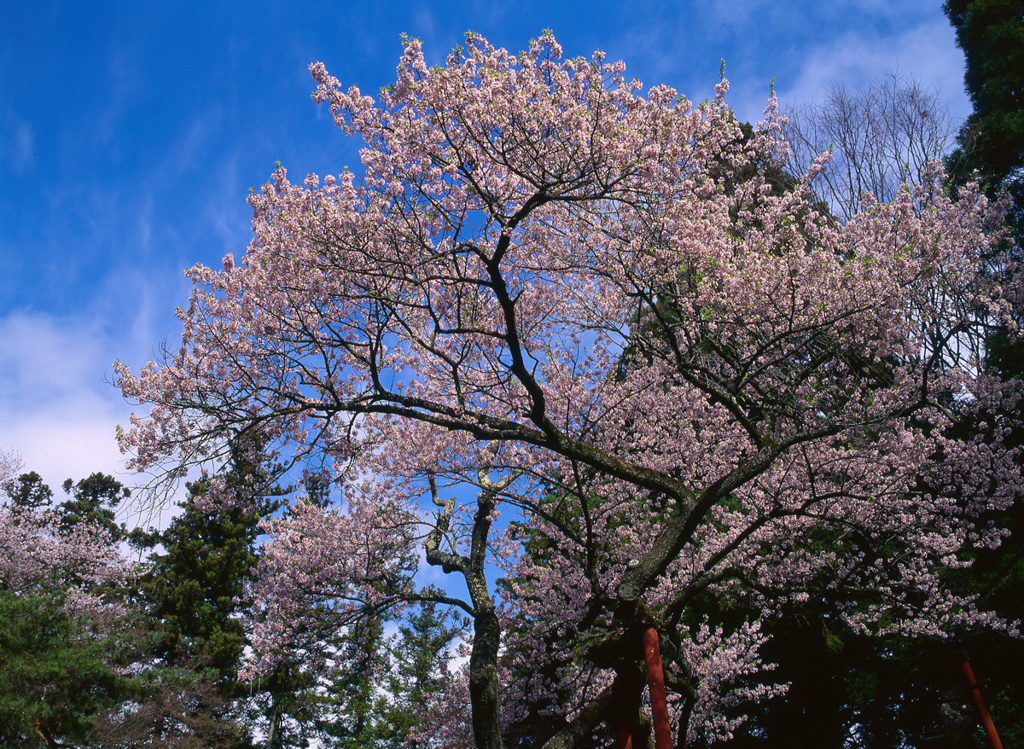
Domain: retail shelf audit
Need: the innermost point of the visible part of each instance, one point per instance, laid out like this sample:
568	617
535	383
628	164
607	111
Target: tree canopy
991	141
552	300
58	667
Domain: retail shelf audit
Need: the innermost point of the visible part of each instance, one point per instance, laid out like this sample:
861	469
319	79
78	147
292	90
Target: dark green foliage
55	677
57	663
29	491
991	143
868	693
207	555
352	694
170	707
198	568
93	502
388	682
181	640
191	586
288	708
991	34
419	669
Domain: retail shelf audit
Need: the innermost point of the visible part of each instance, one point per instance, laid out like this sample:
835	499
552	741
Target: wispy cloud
56	409
23	143
926	51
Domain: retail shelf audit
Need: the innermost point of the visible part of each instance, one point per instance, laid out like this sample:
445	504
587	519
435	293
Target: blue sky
130	133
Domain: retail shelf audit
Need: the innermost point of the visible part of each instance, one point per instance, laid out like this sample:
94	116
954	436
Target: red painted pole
656	682
625	741
986	719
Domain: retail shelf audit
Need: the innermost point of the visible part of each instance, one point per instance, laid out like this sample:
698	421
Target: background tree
991	141
190	585
356	694
61	658
28	490
990	146
10	464
880	136
870	683
169	707
418	676
454	324
57	671
349	684
93	501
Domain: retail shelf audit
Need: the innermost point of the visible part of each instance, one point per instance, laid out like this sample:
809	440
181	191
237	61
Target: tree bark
583	724
484	687
275	716
483	680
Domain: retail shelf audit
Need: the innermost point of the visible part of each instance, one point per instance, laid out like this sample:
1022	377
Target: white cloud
926	51
50	358
58	410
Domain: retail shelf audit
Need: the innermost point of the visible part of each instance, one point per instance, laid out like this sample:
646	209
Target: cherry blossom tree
37	555
10	463
551	311
58	627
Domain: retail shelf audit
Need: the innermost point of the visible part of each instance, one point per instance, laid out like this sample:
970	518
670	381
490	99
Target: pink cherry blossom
551	299
37	556
10	464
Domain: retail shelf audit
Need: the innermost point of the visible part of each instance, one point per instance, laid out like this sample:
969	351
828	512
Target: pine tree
353	694
991	145
62	654
190	586
207	554
991	35
419	674
29	491
55	670
93	501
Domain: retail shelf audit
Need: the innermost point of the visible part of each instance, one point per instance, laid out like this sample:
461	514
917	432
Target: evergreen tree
93	501
62	656
353	694
56	670
991	35
991	144
190	586
29	491
419	671
398	681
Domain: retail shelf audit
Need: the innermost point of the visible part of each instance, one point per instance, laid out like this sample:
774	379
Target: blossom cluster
550	294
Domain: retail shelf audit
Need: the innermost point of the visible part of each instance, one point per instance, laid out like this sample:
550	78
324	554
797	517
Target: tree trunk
275	719
483	680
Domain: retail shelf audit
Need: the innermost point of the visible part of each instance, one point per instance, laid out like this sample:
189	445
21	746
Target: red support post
656	682
986	719
625	739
